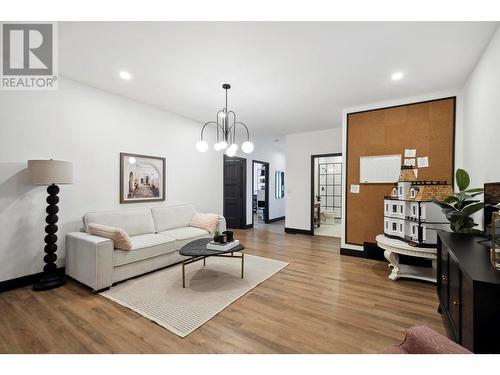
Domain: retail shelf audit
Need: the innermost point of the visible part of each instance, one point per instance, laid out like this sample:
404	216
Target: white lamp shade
47	172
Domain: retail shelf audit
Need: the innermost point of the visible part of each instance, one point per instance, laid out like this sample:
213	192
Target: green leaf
461	205
454	216
462	222
474	194
470	231
476	190
469	210
463	179
451	199
445	206
462	196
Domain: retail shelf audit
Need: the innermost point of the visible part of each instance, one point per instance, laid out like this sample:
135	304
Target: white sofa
157	234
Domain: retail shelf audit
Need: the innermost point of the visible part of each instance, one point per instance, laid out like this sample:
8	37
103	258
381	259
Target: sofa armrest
221	227
423	340
89	259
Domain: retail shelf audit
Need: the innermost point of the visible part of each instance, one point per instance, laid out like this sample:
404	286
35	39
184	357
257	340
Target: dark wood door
235	192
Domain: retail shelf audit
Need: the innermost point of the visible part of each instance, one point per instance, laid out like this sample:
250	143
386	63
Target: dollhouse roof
429	190
407	174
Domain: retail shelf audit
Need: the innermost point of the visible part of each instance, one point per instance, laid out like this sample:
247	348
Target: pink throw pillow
120	238
209	222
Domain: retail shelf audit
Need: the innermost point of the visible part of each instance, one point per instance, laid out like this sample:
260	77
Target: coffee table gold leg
183	276
242	264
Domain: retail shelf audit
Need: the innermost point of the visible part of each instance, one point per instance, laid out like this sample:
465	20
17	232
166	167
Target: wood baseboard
23	281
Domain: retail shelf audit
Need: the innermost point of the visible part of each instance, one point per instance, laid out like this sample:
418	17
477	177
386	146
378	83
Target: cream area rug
159	296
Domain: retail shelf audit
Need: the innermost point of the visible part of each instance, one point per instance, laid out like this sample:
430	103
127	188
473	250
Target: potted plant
216	236
460	207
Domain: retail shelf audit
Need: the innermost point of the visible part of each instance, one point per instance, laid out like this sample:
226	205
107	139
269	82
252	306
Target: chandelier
225	126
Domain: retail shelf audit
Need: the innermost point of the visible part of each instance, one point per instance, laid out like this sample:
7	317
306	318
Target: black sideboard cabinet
468	288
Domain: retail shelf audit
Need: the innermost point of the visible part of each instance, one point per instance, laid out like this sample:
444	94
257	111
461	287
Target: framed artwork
142	178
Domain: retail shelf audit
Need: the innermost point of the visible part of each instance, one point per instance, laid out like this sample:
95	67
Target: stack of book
222	246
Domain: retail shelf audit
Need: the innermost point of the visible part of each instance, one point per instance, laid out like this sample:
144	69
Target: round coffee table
197	250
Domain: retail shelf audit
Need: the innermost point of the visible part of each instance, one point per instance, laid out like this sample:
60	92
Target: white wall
299	148
90	128
395	102
274	154
481	111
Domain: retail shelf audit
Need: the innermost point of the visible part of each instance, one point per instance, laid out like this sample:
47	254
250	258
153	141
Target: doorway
260	192
234	191
326	194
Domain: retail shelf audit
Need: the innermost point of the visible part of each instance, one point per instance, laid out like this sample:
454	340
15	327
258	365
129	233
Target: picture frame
142	178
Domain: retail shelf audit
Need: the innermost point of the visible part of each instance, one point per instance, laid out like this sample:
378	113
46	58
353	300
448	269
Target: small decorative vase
222	239
230	235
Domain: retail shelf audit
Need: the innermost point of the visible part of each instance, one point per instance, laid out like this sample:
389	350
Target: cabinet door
443	282
454	296
467	313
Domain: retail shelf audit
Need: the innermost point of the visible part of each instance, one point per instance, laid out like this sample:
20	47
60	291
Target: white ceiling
286	77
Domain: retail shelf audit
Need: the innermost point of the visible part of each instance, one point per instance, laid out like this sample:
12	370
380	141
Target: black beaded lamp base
50	279
49	282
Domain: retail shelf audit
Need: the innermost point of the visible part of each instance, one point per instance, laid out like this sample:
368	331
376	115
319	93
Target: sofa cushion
185	233
134	222
166	218
145	246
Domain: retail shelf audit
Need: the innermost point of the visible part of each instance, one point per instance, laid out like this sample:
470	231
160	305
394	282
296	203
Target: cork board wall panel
428	127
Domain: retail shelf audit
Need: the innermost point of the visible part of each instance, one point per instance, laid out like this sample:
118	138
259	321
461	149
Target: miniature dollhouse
409	213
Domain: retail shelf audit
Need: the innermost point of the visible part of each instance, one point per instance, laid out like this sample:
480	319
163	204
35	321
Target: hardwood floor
321	303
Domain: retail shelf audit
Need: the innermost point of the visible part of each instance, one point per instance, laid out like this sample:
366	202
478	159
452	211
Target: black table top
199	248
474	257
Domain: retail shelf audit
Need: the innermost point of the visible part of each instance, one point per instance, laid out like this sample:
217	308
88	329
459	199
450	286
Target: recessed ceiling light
125	75
397	76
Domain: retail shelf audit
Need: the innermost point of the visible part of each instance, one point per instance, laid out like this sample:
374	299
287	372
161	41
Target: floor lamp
50	173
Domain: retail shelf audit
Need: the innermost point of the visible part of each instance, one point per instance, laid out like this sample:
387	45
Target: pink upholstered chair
423	340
